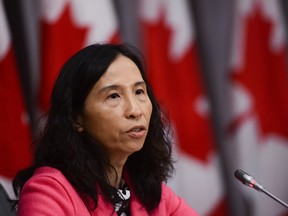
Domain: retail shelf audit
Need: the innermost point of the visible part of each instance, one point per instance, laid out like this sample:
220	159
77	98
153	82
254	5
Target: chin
135	149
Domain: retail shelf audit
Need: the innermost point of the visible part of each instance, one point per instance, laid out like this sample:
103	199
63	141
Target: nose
133	109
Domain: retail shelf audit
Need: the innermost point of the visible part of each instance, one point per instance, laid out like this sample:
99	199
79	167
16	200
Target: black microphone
248	180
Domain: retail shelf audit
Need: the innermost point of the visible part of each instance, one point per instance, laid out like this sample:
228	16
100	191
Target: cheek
149	109
103	126
99	132
100	124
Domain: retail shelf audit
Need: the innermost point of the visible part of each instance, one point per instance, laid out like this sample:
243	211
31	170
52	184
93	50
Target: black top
121	200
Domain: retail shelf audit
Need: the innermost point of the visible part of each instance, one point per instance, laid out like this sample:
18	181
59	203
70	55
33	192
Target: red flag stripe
15	132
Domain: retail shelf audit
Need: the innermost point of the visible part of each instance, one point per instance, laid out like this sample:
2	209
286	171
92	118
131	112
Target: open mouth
137	131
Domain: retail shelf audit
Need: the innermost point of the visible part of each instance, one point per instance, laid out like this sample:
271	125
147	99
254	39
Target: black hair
77	155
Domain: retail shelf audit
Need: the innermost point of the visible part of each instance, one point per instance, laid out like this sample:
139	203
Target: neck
115	177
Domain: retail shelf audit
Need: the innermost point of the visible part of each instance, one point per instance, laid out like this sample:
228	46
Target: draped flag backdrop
256	138
174	73
259	87
66	27
15	135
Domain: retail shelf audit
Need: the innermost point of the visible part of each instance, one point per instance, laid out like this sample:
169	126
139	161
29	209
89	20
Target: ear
78	125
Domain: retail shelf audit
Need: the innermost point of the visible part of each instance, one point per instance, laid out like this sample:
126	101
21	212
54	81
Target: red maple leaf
265	76
59	41
177	84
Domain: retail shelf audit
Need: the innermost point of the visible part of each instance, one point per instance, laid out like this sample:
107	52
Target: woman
104	148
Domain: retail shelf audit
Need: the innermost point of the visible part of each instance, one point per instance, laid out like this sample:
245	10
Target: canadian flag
15	134
259	87
174	73
66	27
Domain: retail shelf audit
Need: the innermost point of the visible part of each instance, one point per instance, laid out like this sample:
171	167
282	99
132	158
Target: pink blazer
48	193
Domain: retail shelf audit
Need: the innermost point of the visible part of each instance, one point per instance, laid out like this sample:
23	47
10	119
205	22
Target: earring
78	127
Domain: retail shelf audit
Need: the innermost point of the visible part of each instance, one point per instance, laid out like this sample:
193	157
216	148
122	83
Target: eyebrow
115	86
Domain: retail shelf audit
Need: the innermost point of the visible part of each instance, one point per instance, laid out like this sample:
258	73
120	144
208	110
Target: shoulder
171	204
48	192
47	180
48	173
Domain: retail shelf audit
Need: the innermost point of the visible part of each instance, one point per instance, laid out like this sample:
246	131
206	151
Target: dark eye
113	96
139	91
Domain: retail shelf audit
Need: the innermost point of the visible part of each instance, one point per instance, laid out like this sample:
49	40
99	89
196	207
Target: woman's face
117	110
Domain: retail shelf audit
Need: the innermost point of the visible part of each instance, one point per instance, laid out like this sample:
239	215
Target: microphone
248	180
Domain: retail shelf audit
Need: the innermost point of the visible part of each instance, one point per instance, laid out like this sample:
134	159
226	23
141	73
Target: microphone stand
249	181
275	198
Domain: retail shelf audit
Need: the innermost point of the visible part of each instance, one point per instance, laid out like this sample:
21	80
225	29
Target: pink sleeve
175	205
45	196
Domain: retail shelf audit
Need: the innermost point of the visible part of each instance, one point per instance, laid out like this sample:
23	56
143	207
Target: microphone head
248	180
243	176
